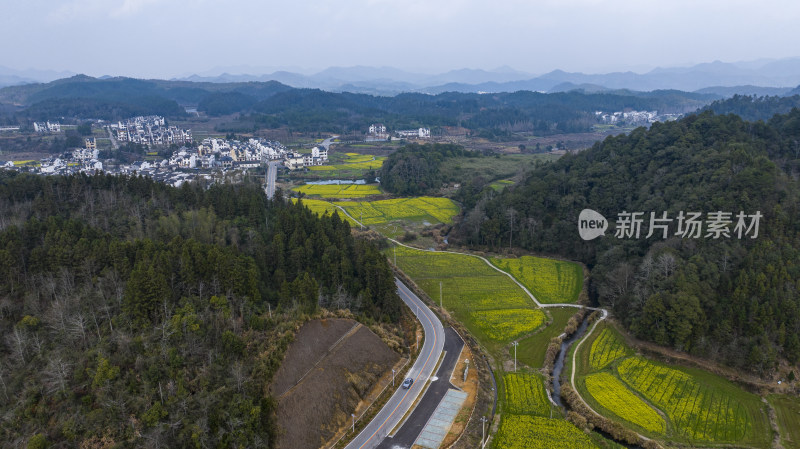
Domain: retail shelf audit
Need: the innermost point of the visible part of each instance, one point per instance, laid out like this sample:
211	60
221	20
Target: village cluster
633	118
181	165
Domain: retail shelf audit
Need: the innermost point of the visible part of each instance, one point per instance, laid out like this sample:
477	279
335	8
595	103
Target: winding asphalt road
402	400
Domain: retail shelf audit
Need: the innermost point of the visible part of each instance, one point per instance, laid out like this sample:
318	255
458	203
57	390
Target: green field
351	161
788	410
535	432
339	190
461	169
501	184
478	296
531	350
550	281
391	217
699	407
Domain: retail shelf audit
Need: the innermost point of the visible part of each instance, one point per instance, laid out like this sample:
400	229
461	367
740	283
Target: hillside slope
730	298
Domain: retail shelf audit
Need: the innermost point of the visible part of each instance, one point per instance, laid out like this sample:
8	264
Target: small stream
559	365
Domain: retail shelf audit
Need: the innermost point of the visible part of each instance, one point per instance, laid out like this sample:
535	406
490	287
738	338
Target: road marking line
418	375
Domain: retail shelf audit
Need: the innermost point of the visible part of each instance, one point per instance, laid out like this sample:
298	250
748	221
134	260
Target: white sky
167	38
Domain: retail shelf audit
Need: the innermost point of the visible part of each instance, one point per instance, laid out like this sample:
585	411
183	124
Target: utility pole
394	248
440	295
354	421
515	344
551	413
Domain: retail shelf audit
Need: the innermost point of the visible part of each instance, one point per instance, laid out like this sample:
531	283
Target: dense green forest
730	299
117	98
753	108
134	314
414	168
271	104
492	116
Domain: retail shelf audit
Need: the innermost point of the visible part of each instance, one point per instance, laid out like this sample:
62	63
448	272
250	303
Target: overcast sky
167	38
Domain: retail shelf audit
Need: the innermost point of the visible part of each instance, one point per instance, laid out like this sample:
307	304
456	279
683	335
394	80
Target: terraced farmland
697	411
525	394
476	294
614	396
535	432
699	407
339	190
550	281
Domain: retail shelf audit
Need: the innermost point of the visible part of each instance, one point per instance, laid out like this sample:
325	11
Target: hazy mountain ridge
737	78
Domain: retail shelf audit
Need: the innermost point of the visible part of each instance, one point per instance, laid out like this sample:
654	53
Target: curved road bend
402	400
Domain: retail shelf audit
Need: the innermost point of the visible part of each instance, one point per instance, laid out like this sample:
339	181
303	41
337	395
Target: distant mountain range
14	77
763	77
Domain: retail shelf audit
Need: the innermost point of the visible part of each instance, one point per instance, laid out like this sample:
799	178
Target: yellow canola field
525	394
432	210
508	324
697	412
551	281
613	395
606	349
339	190
534	432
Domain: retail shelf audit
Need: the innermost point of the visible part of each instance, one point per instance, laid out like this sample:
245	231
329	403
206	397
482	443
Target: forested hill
730	299
415	169
273	105
754	108
136	314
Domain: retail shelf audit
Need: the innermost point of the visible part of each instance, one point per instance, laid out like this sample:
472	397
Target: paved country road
272	174
407	435
402	400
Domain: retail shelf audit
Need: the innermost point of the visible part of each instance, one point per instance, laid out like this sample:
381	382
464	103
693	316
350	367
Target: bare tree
238	375
77	327
667	264
3	380
17	341
510	213
56	374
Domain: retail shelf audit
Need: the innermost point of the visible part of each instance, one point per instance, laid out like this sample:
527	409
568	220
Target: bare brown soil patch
330	368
